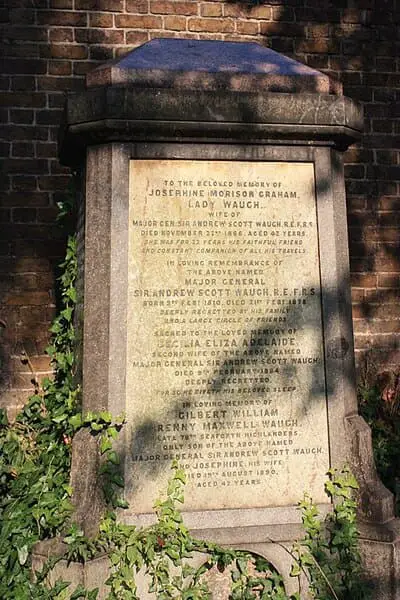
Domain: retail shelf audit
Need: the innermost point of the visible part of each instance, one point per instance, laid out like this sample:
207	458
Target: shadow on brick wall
49	46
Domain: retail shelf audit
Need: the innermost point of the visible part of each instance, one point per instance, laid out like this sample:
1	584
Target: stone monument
217	310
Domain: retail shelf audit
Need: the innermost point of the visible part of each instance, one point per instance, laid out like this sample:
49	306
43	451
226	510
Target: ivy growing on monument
36	505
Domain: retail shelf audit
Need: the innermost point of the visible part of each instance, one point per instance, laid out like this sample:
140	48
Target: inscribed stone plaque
225	368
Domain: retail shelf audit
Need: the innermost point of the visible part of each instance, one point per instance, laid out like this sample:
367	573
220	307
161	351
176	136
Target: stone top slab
211	65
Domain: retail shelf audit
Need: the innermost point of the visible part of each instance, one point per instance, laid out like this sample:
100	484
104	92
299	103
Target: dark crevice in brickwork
49	46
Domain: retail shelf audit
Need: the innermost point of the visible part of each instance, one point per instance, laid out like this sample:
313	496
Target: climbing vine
35	495
35	504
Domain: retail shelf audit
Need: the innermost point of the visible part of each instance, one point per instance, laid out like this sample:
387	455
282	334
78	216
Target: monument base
379	547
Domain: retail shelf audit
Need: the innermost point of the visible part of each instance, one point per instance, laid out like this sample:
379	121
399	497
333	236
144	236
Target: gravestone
217	309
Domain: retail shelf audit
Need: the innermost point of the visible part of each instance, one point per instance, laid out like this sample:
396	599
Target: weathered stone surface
225	368
233	91
134	114
212	65
148	135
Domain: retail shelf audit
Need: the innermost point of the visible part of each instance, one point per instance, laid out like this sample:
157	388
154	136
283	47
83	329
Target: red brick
172	7
46	279
318	30
70	51
321	15
357	295
382	126
21	50
382	79
388	280
390	326
61	34
320	45
211	9
5	216
60	84
101	53
247	27
48	117
57	169
82	67
46	149
247	11
60	67
23	381
284	45
20	15
281	29
32	265
31	34
5	82
364	280
389	204
167	34
41	363
53	182
387	262
25	66
27	100
175	23
137	6
57	17
5	148
285	14
61	4
384	95
56	100
354	171
25	281
136	37
47	215
389	172
138	21
23	83
25	166
100	20
317	61
24	183
99	36
360	326
211	25
27	299
360	93
101	5
383	64
22	149
24	215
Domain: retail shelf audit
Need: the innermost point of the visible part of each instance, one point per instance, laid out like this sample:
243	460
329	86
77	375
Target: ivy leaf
295	571
80	592
71	293
113	458
22	554
60	418
105	444
76	421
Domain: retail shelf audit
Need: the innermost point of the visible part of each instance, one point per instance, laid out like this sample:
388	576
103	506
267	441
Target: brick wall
49	45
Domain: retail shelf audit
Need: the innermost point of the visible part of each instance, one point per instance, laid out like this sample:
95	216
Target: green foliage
328	555
36	452
35	504
383	417
164	551
329	551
